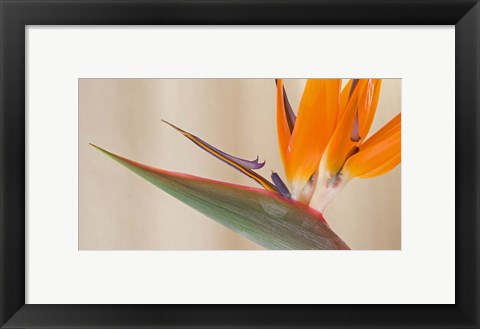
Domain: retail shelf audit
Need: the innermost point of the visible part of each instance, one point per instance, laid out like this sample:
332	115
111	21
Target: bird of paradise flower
322	149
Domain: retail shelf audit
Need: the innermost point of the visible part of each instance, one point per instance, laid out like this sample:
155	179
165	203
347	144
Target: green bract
264	217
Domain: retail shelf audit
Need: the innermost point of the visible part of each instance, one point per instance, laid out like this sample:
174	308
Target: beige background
119	210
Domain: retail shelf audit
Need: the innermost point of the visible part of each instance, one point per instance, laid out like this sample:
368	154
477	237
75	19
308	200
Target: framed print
227	164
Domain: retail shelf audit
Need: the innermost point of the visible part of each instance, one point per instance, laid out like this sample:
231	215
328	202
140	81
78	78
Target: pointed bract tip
99	148
95	146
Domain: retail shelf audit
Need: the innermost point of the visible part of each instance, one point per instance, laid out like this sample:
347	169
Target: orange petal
341	142
367	106
283	130
316	120
344	97
379	154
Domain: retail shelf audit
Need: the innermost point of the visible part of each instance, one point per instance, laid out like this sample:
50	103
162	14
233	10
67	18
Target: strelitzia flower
322	149
325	146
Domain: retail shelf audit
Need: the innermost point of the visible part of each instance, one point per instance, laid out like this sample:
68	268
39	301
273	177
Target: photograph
239	164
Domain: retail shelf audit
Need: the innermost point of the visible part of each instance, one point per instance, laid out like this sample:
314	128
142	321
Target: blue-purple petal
249	164
280	185
291	117
241	165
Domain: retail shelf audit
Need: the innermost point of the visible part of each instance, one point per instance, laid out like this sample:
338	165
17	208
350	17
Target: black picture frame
16	14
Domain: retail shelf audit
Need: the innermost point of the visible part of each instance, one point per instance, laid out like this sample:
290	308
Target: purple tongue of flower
280	185
244	166
254	164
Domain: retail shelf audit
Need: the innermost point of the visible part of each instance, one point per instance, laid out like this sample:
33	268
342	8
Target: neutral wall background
119	210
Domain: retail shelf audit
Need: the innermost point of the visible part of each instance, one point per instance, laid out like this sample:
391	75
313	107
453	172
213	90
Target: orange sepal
379	154
367	106
341	142
316	120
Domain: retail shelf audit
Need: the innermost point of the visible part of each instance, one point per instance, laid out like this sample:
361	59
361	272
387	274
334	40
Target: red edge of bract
155	170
